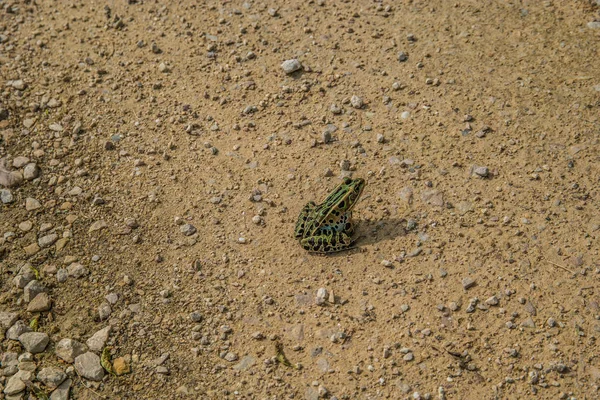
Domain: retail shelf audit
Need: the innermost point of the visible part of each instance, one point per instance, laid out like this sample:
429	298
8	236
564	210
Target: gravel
51	376
98	340
15	383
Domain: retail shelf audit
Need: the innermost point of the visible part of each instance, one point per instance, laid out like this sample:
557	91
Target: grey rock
482	172
468	283
112	298
51	376
12	179
19	328
188	229
62	391
34	342
48	240
32	289
322	296
104	311
97	341
492	301
594	24
6	196
31	172
245	363
291	66
19	84
69	349
196	316
356	102
7	319
20	161
88	366
62	275
402	56
76	270
15	384
231	357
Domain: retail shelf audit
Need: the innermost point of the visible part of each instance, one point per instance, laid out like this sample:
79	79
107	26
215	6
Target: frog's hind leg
303	218
331	242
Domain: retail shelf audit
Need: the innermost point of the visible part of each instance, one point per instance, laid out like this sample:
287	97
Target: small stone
98	339
551	322
7	319
594	24
121	366
69	349
528	323
322	296
468	283
408	357
356	102
6	196
380	138
231	357
387	263
40	303
98	225
196	316
32	289
245	363
62	391
335	109
51	376
402	56
76	270
492	301
62	275
19	328
20	161
482	172
104	311
88	366
162	67
291	66
405	115
12	179
18	84
48	240
15	384
56	127
162	370
112	298
34	342
188	229
32	204
54	103
31	172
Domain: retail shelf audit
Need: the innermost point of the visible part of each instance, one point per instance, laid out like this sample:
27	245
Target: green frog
328	227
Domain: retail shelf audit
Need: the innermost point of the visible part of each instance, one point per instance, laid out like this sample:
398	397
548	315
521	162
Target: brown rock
41	302
121	366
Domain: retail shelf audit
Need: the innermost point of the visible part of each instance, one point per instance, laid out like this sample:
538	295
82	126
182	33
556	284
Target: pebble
69	349
19	84
408	357
387	263
15	384
97	225
322	296
468	283
492	301
20	161
104	311
62	275
291	66
7	319
187	229
6	196
356	102
594	24
98	340
32	204
76	270
40	303
402	56
482	172
48	240
245	363
51	376
88	366
32	289
231	357
196	316
335	109
19	328
34	342
56	127
405	115
62	391
31	171
13	179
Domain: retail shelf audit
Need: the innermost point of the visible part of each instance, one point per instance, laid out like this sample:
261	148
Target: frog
328	227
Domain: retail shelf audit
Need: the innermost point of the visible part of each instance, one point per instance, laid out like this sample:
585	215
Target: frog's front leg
329	242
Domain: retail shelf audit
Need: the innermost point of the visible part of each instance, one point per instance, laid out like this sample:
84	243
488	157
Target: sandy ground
172	154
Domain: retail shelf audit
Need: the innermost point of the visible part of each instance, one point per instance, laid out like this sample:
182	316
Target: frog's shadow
370	232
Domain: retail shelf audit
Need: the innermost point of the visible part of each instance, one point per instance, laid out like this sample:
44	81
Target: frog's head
353	189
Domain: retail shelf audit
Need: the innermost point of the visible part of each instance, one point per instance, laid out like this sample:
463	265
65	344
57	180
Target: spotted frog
328	227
